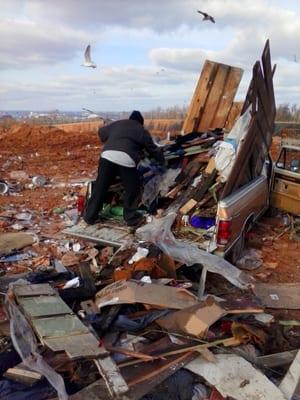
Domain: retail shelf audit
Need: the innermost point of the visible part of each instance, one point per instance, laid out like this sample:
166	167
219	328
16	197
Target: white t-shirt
119	157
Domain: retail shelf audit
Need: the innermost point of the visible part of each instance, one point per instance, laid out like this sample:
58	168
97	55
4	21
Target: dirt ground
67	158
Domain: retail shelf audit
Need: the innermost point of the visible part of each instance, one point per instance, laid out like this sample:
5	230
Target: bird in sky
207	17
87	58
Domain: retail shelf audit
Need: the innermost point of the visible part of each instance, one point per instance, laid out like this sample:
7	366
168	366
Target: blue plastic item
202	222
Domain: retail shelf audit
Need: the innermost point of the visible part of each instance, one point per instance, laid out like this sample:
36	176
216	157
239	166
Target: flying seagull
206	17
87	58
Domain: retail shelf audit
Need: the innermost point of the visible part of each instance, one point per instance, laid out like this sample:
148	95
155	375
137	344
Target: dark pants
107	173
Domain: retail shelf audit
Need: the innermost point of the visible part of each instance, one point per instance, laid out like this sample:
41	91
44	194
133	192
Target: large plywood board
213	97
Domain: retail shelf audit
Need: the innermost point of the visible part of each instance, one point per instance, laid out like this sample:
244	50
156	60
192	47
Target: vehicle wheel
237	250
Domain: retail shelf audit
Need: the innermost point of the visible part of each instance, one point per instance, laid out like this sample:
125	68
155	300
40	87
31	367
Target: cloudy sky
149	53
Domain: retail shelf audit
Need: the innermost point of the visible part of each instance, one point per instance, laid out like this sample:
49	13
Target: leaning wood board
213	97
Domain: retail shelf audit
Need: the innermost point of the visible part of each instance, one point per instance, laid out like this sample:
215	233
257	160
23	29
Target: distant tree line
285	112
288	113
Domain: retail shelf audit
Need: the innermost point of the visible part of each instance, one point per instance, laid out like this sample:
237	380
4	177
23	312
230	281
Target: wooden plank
226	99
263	96
41	306
291	379
151	371
268	75
130	353
200	95
250	157
34	290
188	206
58	326
281	295
76	346
277	359
225	342
21	373
234	113
200	192
213	99
115	382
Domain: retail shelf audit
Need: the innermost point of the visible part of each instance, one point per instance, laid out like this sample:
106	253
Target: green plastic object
117	211
58	210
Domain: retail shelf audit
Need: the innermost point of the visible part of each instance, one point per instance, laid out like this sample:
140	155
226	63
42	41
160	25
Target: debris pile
107	314
96	321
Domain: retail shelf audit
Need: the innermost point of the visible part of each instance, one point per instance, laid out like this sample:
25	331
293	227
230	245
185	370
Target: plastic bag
159	233
224	160
25	343
228	149
239	129
159	184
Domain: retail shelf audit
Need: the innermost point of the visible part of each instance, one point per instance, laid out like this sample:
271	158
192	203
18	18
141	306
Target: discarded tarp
159	233
130	292
235	377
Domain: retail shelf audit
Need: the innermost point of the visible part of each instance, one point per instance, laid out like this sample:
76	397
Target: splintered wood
213	97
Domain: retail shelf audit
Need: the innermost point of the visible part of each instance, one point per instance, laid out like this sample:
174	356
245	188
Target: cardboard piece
130	292
14	241
194	320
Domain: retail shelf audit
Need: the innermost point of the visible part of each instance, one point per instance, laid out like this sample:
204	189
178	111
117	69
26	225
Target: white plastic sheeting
236	378
224	160
159	232
228	149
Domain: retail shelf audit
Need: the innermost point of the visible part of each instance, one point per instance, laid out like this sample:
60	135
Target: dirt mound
48	151
35	137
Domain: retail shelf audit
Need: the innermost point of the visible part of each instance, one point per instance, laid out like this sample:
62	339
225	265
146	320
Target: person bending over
124	142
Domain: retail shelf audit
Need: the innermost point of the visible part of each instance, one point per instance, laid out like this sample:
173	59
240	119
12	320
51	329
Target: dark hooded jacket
131	137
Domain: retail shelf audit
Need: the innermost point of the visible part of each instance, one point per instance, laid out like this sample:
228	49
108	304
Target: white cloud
168	34
27	44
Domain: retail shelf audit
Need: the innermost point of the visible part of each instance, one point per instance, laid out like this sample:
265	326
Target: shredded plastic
159	184
25	344
159	233
224	160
